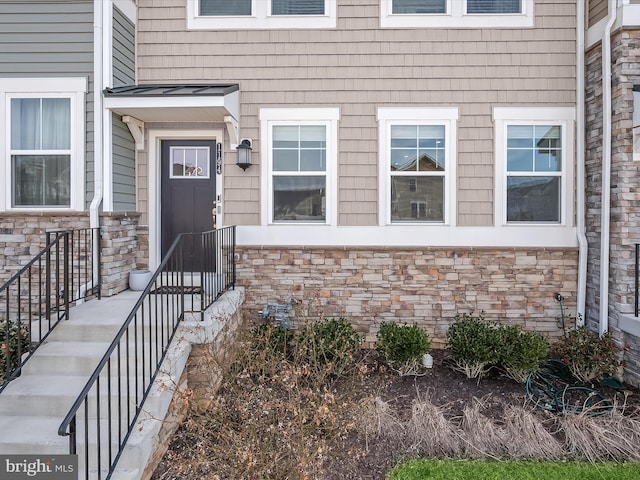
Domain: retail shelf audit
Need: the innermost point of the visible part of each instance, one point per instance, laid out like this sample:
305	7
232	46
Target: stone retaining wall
427	286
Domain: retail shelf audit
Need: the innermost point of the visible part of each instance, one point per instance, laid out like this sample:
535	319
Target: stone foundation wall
424	286
624	193
23	236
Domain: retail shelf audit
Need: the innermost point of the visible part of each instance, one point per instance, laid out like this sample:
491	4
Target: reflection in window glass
41	180
190	162
417	198
533	199
299	198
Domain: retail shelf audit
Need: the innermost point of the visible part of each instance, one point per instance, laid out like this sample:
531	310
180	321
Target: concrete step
81	358
31	435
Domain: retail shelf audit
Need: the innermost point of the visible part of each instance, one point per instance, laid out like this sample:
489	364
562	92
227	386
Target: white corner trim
627	16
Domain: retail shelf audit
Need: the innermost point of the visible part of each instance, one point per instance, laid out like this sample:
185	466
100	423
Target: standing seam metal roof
211	90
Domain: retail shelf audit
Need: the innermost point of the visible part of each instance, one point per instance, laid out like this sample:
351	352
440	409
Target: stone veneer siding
23	236
427	286
625	195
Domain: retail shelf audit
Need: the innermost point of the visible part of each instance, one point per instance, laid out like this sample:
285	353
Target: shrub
521	352
588	356
403	346
17	343
474	344
328	345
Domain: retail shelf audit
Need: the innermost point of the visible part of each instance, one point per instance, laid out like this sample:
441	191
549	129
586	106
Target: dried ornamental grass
527	436
602	437
376	419
430	432
482	435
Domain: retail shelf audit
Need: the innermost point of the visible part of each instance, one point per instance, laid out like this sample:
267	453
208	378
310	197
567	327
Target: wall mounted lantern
244	154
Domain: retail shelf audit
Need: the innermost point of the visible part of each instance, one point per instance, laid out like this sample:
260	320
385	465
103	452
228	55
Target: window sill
629	324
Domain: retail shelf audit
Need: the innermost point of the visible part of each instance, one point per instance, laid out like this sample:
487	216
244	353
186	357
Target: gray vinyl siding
124	170
598	10
123	50
359	67
51	39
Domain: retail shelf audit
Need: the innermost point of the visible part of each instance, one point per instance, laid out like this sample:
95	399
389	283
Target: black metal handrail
35	299
105	413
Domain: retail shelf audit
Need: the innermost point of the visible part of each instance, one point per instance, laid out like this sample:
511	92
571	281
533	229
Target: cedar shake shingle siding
359	67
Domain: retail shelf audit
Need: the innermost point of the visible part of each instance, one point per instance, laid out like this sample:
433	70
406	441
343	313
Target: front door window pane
494	6
299	198
297	7
419	6
225	7
41	180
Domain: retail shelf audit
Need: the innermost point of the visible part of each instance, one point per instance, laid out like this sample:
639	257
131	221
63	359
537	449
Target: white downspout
580	166
605	206
94	219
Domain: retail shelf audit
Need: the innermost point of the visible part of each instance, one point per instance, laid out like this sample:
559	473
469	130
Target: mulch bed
354	456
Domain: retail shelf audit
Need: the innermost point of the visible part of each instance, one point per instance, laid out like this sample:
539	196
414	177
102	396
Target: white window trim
299	116
417	116
456	17
260	18
73	88
563	116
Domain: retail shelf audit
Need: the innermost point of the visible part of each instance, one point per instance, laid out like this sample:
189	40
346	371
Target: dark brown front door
188	191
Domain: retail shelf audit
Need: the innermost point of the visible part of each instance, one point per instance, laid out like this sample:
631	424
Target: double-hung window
417	164
254	14
301	157
456	13
44	143
534	159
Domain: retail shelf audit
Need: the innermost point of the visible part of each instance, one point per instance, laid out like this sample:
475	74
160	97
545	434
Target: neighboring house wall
625	199
51	39
123	148
597	10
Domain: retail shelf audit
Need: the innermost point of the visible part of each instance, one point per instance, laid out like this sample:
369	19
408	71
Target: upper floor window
44	143
534	158
456	13
418	164
258	14
494	6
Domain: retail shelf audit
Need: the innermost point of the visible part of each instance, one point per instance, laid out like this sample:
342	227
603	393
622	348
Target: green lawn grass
493	470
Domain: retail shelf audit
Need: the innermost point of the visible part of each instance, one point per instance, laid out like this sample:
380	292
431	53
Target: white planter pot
138	279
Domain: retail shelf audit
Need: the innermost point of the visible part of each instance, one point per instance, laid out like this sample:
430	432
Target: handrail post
68	270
